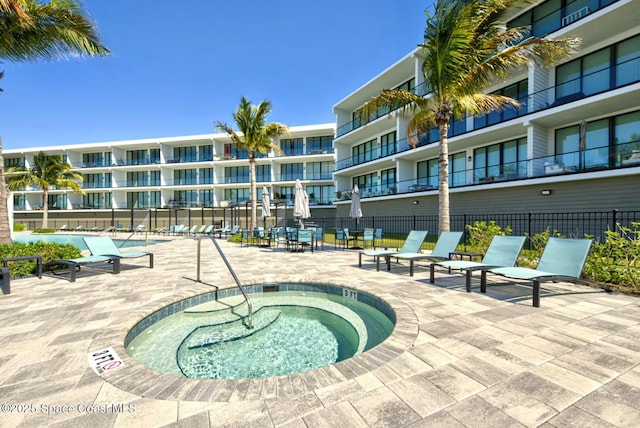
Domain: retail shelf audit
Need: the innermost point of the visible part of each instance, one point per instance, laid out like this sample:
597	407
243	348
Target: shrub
44	230
19	227
617	260
530	256
48	251
481	234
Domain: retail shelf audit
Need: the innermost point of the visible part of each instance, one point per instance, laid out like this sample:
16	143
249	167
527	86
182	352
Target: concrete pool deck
454	359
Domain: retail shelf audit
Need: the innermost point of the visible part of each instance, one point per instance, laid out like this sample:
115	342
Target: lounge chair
191	231
64	227
79	228
411	245
446	244
229	233
502	252
561	260
205	230
6	280
222	231
104	246
75	264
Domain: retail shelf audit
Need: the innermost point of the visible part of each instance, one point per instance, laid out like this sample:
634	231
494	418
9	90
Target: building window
137	200
320	170
185	154
364	152
137	178
388	144
292	171
155	178
502	161
594	154
427	171
321	195
233	152
57	202
183	177
517	91
155	199
186	198
292	146
316	145
206	198
137	157
236	174
237	196
367	183
90	160
206	153
388	181
627	138
600	71
263	173
206	175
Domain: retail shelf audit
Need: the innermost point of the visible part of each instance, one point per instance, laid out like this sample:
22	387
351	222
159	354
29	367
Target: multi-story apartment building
574	145
200	171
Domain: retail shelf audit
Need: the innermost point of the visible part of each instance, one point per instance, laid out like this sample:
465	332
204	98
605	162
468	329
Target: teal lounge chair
502	252
411	245
75	264
561	260
446	244
104	246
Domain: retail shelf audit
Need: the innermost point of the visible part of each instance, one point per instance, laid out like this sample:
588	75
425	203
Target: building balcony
586	161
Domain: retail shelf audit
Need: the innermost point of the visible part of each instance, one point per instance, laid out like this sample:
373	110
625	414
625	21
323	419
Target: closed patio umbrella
266	205
582	145
356	210
301	204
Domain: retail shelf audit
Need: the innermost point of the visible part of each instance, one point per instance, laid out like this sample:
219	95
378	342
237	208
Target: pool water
292	332
78	241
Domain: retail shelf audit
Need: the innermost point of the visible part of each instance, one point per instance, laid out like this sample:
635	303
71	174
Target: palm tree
31	30
47	172
256	139
466	47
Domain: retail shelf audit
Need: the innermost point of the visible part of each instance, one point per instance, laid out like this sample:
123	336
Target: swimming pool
296	327
78	241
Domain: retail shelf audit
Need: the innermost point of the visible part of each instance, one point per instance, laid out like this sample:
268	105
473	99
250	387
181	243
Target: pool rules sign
105	360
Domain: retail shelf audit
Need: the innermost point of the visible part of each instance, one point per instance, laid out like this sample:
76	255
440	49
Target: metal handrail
249	322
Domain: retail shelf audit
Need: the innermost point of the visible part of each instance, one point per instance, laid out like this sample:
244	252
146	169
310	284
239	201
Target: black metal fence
571	225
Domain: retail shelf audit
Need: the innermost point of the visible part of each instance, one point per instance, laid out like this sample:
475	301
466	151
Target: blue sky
178	67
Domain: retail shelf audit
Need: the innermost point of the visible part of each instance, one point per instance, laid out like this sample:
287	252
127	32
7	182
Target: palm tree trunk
5	233
253	191
45	208
443	178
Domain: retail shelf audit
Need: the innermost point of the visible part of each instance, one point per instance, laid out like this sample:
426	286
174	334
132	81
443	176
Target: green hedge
48	251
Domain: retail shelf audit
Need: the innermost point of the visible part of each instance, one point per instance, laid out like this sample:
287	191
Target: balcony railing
598	82
595	159
553	21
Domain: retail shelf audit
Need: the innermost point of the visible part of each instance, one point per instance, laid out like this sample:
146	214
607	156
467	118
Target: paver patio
454	359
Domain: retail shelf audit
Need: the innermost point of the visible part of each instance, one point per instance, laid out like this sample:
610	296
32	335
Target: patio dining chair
342	237
368	236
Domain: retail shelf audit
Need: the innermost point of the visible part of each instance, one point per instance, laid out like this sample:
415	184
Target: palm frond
54	30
